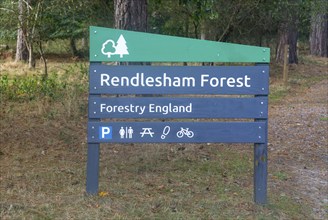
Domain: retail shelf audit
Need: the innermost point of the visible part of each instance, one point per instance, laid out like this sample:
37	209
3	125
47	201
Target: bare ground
298	133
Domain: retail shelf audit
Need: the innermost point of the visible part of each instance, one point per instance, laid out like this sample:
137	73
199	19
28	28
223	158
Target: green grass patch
278	92
284	206
37	86
308	72
280	175
19	88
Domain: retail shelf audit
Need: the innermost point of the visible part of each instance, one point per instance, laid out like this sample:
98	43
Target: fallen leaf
103	194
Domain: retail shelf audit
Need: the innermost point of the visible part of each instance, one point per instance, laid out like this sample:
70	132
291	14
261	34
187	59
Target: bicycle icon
185	131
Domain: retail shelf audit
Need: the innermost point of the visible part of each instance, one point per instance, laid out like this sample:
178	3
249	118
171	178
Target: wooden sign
232	93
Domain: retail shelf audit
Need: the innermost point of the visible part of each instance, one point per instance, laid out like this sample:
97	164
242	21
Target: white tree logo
110	48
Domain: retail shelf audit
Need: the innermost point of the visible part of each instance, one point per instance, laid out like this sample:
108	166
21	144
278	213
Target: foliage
165	16
35	87
8	25
30	87
54	19
240	21
73	20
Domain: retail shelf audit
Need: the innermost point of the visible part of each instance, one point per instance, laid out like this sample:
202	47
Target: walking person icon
130	132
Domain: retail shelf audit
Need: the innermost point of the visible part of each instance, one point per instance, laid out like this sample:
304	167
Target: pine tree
121	47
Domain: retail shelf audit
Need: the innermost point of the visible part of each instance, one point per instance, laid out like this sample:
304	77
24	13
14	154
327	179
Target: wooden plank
248	80
176	132
160	107
107	45
261	165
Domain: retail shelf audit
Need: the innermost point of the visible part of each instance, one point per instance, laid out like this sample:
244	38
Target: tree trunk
288	34
131	15
21	49
29	37
292	42
73	47
45	75
319	35
31	59
282	41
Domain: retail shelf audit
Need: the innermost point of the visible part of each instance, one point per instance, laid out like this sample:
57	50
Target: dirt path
298	146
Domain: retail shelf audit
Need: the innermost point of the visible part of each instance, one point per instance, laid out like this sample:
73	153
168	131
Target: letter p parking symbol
105	132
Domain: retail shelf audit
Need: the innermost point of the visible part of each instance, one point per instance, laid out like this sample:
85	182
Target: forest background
34	23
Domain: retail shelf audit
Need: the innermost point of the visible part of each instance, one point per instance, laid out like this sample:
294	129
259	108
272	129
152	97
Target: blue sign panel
248	80
178	107
176	132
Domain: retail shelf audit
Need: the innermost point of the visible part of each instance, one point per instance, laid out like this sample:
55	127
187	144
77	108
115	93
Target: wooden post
285	70
92	183
261	164
260	173
93	169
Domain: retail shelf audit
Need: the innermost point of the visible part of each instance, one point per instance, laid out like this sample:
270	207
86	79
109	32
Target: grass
278	92
280	175
309	71
43	161
152	183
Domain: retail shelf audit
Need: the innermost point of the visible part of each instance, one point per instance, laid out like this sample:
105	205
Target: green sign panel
107	45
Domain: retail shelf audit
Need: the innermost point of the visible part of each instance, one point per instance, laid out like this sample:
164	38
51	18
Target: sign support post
260	173
92	183
93	168
261	164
